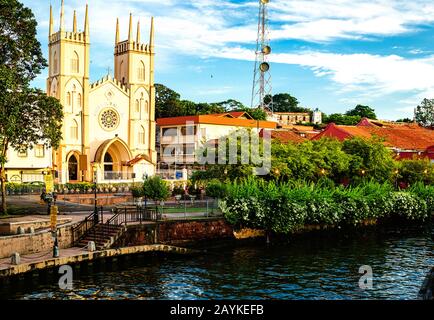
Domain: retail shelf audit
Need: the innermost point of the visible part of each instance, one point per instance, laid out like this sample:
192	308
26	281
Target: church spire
62	17
74	24
117	31
86	21
130	32
51	20
151	36
138	32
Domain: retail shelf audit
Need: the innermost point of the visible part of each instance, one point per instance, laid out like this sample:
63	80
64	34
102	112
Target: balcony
119	175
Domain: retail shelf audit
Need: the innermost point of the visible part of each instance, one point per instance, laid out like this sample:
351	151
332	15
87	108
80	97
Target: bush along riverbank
289	207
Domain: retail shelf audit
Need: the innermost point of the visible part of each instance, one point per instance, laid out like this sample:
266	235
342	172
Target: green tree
167	103
424	113
156	189
284	102
415	170
370	159
362	112
405	120
341	119
27	116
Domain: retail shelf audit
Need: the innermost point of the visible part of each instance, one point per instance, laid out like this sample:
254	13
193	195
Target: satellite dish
266	50
264	67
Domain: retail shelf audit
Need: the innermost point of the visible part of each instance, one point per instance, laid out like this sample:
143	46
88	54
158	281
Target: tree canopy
362	111
285	102
27	116
424	113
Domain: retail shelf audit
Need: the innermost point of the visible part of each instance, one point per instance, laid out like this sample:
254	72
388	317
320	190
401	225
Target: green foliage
369	159
168	103
284	102
416	170
341	119
156	189
27	116
362	111
424	113
137	192
286	208
216	189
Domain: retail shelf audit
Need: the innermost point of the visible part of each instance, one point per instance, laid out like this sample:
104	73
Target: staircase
104	235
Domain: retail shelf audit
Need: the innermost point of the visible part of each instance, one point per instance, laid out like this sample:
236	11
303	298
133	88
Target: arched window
146	107
141	135
79	100
75	67
137	105
73	168
55	62
141	71
68	98
74	130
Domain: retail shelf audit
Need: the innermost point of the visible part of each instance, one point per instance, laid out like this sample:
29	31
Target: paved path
42	256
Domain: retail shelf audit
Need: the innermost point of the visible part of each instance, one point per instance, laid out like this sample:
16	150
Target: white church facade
109	126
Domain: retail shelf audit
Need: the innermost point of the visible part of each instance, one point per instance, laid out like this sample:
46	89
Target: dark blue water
305	268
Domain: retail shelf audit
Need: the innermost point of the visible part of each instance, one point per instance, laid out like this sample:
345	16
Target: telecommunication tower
261	74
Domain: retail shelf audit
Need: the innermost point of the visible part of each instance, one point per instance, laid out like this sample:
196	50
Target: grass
182	210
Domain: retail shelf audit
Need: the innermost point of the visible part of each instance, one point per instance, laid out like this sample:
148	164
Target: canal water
309	267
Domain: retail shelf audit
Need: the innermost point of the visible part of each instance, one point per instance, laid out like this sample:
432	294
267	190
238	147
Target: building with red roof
407	140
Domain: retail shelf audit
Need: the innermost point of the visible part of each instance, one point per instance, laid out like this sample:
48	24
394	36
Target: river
309	267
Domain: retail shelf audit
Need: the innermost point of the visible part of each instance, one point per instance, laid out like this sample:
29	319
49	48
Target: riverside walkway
74	255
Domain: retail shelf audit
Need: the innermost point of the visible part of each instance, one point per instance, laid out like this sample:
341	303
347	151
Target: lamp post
396	178
94	190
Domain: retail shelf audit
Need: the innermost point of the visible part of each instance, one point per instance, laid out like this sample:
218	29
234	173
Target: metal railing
119	175
88	224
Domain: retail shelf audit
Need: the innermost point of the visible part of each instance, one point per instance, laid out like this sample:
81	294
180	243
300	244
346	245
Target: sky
330	54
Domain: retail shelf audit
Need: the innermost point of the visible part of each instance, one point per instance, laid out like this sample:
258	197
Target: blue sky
330	54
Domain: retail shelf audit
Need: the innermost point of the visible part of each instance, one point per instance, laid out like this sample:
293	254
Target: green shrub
409	206
137	191
156	189
216	189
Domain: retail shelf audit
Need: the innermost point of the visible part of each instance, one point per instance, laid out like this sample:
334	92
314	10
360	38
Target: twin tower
108	126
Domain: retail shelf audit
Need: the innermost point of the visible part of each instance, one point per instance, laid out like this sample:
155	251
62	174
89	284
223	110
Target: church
109	126
108	129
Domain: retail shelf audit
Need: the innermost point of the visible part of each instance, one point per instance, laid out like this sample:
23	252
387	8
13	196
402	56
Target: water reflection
307	268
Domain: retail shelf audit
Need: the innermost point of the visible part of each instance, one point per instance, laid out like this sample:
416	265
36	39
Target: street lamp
94	190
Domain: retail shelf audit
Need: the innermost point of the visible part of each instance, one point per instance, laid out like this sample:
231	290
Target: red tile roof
405	137
286	136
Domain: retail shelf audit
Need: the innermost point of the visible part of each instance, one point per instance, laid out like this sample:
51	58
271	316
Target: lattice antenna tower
261	74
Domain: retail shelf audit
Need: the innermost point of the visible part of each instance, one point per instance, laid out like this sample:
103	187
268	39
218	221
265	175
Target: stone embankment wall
41	241
176	232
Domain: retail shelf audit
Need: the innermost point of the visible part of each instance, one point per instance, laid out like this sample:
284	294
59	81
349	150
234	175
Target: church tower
68	80
134	68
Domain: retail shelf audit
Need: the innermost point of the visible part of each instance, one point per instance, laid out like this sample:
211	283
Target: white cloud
205	28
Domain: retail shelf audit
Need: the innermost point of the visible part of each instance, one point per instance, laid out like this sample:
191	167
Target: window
22	153
39	151
75	63
146	107
189	149
55	62
68	98
170	132
142	135
141	71
79	100
188	130
74	130
137	106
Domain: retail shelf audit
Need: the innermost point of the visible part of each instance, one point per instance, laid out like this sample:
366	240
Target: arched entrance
72	168
114	155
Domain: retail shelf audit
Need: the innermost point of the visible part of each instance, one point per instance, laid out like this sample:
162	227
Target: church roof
109	79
